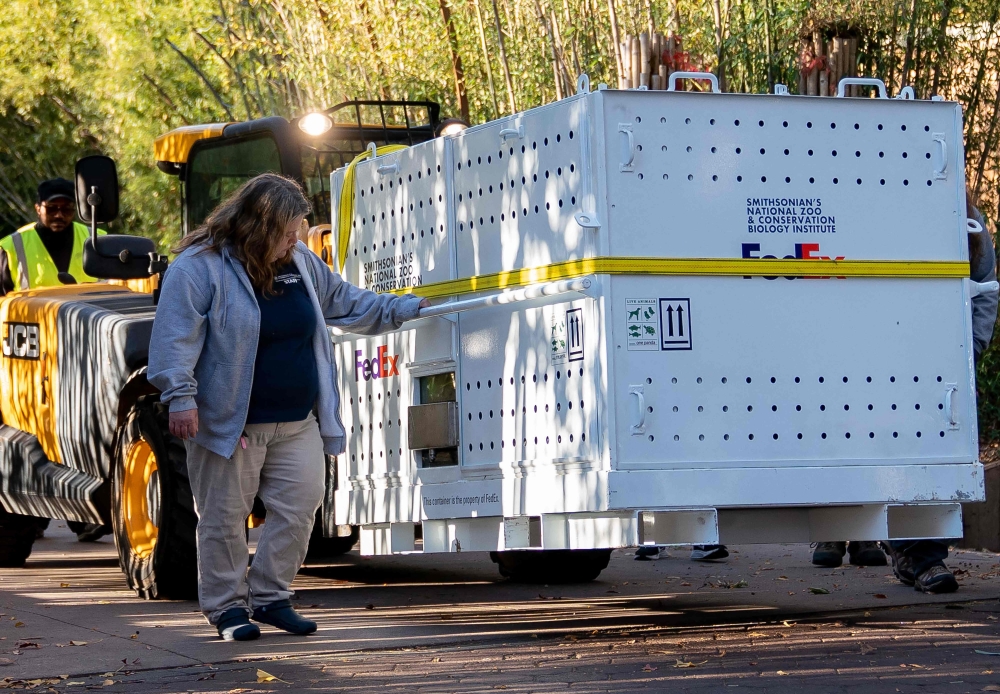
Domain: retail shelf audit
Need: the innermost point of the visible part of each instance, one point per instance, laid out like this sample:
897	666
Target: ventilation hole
774	408
724	380
916	406
919	434
893	406
822	408
895	434
823	435
751	437
725	408
941	434
798	408
892	379
821	379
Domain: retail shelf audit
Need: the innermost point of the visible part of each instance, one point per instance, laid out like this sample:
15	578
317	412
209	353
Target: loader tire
88	532
17	535
321	548
552	565
152	509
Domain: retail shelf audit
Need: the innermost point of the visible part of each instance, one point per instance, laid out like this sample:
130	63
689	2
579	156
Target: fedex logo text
382	365
803	251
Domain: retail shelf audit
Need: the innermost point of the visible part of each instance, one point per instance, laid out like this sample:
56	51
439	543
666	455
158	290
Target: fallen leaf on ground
108	683
685	663
18	624
77	643
880	596
649	668
781	673
268	677
866	649
991	688
987	652
28	644
64	585
819	591
685	584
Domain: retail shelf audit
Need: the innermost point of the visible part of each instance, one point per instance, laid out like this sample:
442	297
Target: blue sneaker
234	625
280	614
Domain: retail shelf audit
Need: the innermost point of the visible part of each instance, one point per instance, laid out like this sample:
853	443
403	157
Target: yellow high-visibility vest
31	265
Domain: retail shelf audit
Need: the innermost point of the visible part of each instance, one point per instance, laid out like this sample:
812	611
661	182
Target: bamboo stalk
458	72
836	60
503	60
636	60
644	56
851	68
616	42
486	57
663	77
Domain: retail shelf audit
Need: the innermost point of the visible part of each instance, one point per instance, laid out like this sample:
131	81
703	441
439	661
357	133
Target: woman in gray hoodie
242	357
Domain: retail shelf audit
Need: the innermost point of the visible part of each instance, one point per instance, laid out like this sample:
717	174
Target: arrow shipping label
675	324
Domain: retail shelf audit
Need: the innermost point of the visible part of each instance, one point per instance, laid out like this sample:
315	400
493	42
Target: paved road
450	624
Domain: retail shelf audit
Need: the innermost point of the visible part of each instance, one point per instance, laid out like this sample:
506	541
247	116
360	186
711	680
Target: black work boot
902	565
829	554
937	579
866	553
234	625
280	614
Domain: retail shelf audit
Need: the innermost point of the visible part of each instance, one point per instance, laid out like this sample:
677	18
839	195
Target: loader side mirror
118	257
96	189
115	256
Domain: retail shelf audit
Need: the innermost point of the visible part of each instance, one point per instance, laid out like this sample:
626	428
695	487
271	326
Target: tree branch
204	79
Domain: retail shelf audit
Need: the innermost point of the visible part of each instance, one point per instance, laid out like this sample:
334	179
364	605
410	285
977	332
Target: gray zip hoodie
984	306
204	342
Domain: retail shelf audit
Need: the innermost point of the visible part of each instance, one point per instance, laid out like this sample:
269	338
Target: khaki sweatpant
283	464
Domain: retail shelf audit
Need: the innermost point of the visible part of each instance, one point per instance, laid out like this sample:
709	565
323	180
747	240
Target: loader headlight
315	124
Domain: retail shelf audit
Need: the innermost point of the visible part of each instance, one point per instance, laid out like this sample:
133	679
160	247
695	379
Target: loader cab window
218	167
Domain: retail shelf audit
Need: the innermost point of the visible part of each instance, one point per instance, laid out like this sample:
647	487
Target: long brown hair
975	247
250	223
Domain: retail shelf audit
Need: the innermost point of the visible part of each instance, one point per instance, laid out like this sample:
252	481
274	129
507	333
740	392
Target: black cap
55	188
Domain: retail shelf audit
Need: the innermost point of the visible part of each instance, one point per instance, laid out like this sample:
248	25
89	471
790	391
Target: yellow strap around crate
345	213
767	267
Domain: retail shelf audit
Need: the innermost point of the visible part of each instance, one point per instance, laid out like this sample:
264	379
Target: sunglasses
59	209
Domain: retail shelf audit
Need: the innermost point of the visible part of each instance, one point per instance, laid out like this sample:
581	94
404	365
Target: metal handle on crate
942	171
681	75
906	94
639	427
949	405
517	132
583	83
629	155
862	82
535	291
973	226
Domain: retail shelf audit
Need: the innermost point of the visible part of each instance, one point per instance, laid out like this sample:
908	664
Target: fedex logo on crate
382	365
803	251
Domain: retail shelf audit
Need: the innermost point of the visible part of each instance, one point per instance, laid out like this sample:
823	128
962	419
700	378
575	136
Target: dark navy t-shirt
285	379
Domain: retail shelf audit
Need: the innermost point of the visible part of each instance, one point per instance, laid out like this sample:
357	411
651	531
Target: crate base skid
705	526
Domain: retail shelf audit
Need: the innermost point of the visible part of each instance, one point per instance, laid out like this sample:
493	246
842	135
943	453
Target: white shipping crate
668	366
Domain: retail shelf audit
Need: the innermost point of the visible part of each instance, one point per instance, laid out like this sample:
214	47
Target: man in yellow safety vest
50	251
